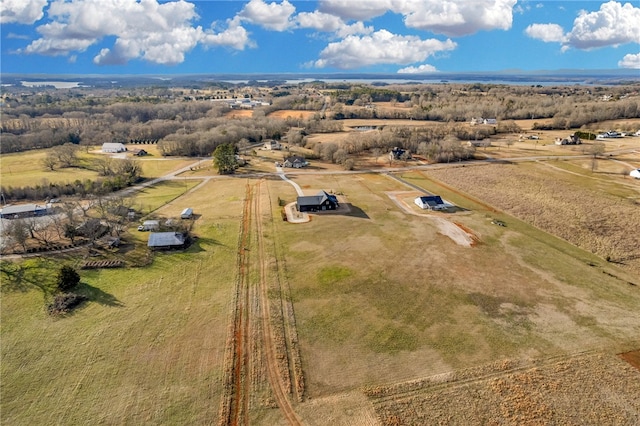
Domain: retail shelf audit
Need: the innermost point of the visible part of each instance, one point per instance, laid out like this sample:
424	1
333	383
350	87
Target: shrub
65	302
67	279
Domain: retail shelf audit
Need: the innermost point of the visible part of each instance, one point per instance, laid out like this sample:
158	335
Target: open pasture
26	168
147	348
382	297
292	114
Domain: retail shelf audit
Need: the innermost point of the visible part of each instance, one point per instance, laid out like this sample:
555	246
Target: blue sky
323	36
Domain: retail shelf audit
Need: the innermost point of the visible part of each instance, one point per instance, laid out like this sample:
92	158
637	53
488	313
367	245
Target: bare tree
104	165
66	155
50	161
114	211
17	230
597	149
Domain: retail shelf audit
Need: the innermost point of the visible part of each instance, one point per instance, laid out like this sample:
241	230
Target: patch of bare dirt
632	358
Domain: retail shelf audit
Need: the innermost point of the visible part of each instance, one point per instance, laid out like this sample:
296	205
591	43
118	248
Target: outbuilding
635	173
149	225
167	240
23	210
186	213
430	202
113	147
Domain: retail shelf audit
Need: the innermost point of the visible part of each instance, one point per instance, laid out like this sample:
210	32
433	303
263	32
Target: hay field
594	211
292	113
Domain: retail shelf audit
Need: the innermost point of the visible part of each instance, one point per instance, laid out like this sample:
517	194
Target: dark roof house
321	201
166	240
430	202
295	161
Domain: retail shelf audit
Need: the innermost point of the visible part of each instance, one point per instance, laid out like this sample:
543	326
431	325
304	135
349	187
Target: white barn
113	147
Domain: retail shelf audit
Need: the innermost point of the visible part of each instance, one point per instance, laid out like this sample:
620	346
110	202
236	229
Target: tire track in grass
235	401
274	345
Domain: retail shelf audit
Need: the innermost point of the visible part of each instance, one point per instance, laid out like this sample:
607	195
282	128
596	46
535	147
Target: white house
272	145
635	173
430	202
113	147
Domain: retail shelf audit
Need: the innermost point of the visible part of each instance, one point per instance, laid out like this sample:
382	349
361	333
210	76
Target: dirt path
280	389
257	347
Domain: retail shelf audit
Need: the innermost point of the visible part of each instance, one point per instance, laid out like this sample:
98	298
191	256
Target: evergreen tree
224	158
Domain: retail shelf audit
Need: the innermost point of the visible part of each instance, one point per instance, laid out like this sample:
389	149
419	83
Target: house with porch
320	202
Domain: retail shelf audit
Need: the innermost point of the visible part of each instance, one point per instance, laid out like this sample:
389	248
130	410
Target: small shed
186	213
167	240
430	202
113	147
151	225
635	173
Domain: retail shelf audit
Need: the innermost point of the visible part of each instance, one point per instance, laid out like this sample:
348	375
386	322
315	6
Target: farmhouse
272	145
479	120
112	147
570	140
322	201
430	202
23	210
167	240
399	153
295	161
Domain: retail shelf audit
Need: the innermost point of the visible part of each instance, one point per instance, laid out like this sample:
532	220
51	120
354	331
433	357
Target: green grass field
147	348
26	168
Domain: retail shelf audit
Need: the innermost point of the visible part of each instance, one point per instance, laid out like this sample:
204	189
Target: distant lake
56	84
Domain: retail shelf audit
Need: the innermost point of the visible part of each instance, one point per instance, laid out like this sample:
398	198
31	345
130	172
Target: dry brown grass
588	211
591	389
292	113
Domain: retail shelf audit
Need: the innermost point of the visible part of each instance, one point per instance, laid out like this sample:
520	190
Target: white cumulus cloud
458	17
421	69
546	32
162	33
21	11
381	47
330	23
235	36
449	17
357	10
272	16
630	61
614	24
